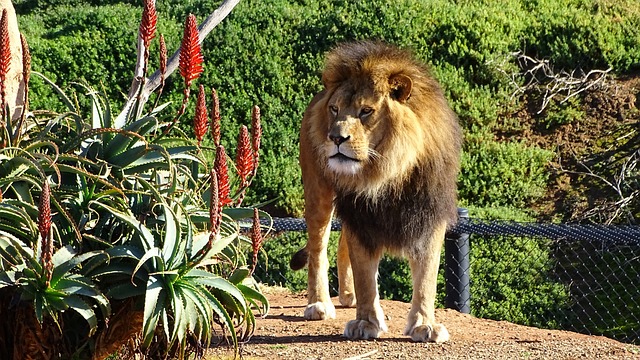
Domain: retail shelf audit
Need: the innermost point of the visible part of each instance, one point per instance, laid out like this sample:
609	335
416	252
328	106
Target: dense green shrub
269	53
502	174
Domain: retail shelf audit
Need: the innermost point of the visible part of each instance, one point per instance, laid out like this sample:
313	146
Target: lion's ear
400	87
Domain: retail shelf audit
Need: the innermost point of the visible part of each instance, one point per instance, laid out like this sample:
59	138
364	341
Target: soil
284	334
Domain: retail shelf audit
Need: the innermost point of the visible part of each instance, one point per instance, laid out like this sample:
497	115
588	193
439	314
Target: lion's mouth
343	158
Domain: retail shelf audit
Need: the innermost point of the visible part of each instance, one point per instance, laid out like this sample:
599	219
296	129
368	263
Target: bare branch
539	75
152	83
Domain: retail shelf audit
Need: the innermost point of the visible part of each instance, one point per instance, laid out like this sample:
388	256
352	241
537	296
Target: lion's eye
333	109
365	111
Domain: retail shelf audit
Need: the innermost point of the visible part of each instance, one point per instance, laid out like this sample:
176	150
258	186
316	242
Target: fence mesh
584	278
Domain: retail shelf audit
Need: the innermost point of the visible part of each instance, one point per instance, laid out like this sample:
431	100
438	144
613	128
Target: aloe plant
120	214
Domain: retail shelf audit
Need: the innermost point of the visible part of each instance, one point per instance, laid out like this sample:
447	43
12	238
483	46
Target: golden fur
380	147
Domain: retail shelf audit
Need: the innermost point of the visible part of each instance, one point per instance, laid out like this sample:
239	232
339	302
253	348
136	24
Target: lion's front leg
369	322
421	322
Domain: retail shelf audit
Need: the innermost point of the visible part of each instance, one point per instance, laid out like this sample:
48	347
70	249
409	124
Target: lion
380	147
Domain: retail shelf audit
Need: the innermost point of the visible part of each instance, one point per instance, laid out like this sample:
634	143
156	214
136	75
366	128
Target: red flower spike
215	118
163	57
190	52
222	172
44	227
5	58
148	23
200	122
256	238
0	194
215	210
244	156
256	135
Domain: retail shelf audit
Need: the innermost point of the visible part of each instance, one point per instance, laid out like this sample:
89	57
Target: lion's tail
299	259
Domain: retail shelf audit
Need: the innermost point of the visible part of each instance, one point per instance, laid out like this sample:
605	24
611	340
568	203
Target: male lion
381	146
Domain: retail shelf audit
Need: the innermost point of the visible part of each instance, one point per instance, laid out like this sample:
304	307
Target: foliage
270	52
502	174
134	217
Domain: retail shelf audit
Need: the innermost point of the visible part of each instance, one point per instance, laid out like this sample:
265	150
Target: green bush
269	53
502	174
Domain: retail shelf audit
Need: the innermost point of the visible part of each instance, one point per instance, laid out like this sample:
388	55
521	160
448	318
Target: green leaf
64	266
124	141
76	304
253	294
153	306
145	235
59	91
208	279
153	253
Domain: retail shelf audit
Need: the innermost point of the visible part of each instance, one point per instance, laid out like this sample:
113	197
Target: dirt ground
284	334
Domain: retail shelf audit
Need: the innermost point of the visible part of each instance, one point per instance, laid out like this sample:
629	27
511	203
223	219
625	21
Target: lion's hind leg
421	322
346	292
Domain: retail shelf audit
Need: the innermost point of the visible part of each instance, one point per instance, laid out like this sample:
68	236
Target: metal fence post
456	268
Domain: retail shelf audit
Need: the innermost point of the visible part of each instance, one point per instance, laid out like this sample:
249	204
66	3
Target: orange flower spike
215	118
190	52
244	156
44	227
200	122
256	238
5	58
222	172
215	210
256	135
148	23
163	58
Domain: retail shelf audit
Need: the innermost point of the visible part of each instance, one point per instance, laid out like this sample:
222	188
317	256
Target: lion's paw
347	299
320	311
426	333
364	329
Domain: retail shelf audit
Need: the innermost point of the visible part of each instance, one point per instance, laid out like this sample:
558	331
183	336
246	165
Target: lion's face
366	135
355	126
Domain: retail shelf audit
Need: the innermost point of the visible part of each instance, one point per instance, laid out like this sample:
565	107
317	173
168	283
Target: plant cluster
113	229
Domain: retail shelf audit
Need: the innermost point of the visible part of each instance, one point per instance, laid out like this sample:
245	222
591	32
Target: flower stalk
201	119
222	173
190	64
215	118
256	239
44	227
244	162
5	61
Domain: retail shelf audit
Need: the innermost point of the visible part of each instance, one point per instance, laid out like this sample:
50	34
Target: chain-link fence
584	278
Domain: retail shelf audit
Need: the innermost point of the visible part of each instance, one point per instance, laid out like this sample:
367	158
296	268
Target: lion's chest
395	223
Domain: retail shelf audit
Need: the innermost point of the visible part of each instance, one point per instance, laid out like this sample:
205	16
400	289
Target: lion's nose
338	139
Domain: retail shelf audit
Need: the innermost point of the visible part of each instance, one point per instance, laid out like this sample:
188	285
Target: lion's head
380	116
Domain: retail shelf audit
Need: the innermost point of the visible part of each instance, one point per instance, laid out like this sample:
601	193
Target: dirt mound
284	334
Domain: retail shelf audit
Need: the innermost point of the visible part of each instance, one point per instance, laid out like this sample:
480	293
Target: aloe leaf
78	305
25	251
153	305
208	279
153	253
125	290
123	141
79	285
223	315
239	275
125	158
172	237
252	294
61	266
59	91
145	235
204	315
